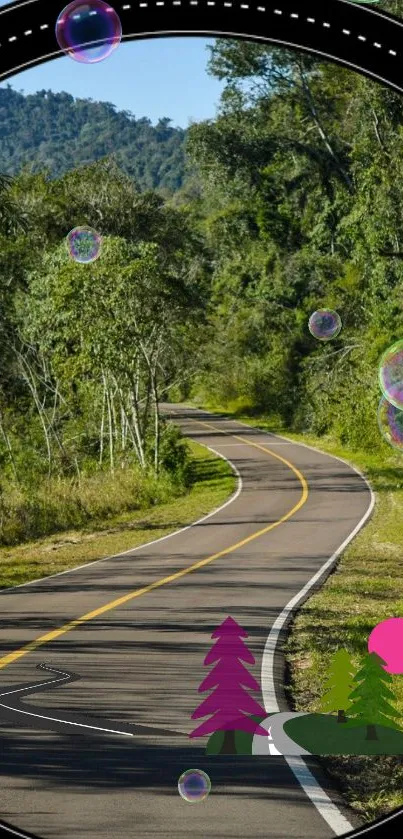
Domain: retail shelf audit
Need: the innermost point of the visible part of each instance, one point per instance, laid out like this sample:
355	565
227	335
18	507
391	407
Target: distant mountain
57	132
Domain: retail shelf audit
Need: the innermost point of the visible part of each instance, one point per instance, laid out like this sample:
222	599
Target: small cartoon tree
339	685
369	699
229	703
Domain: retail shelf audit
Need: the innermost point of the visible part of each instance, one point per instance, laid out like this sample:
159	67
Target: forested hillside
57	132
209	293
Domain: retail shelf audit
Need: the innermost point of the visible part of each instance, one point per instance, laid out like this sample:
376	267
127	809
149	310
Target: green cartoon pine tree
369	699
339	685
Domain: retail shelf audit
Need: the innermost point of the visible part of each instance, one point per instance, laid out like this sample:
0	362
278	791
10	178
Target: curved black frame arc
361	38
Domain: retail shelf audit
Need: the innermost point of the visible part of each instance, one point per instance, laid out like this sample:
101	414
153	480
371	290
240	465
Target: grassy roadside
366	587
212	482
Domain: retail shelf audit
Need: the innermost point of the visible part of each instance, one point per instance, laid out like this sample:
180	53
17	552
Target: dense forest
301	202
295	203
56	132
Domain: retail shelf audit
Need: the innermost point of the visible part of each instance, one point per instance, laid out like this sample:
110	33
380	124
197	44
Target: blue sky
157	77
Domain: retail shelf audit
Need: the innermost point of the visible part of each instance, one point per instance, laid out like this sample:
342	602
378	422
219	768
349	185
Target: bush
174	454
59	504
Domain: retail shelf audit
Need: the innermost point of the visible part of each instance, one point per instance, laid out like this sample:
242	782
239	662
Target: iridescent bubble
324	324
390	421
391	374
88	32
84	244
194	785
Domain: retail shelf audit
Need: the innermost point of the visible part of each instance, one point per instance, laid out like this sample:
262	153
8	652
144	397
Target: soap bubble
194	785
84	244
390	421
391	374
88	31
324	324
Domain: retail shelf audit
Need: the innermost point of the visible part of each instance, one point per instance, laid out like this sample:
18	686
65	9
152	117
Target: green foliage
302	197
369	699
339	682
28	512
174	454
55	132
88	351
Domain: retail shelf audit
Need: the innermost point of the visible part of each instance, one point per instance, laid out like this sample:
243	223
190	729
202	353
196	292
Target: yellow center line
56	633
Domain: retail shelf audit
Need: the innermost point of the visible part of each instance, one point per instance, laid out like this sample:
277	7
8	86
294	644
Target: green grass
59	504
212	482
321	734
365	588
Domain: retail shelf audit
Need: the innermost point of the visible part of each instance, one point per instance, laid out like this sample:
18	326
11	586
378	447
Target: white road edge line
233	498
325	806
329	811
65	722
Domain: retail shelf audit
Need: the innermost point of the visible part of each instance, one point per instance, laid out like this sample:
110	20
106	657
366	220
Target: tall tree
339	685
229	703
369	699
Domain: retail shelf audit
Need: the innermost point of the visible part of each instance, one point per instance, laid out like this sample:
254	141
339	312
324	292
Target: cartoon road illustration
358	716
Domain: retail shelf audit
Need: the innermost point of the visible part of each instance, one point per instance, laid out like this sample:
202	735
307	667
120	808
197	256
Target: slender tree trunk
151	359
322	133
371	733
101	432
341	716
66	458
228	746
9	448
136	418
128	426
123	425
115	424
110	424
156	425
146	410
29	377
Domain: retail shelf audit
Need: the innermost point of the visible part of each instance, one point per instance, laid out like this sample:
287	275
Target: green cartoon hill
321	734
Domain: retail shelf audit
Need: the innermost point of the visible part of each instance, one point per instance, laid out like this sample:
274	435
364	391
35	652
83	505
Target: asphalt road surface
134	667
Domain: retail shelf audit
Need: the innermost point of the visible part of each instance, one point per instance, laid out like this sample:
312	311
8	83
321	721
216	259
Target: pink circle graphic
386	639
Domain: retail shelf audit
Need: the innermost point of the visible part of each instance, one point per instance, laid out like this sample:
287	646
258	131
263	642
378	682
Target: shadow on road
76	762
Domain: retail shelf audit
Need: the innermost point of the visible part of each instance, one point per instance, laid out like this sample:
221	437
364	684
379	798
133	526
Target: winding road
98	752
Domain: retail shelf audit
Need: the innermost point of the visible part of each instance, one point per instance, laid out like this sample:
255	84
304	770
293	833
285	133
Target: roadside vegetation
210	483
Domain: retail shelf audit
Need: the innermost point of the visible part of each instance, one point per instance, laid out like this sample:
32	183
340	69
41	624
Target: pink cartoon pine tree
229	703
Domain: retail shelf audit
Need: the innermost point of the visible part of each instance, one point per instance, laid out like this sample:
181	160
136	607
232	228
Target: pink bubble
88	30
386	639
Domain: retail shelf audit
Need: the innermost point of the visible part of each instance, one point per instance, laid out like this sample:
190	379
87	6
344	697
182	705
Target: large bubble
194	785
390	421
84	244
88	32
324	324
391	374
